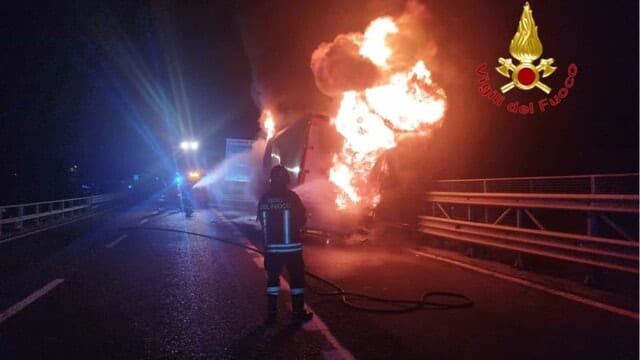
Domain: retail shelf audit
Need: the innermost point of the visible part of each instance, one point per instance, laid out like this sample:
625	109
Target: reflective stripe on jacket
281	215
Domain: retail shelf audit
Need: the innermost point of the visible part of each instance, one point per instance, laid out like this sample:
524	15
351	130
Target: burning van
305	148
308	148
384	94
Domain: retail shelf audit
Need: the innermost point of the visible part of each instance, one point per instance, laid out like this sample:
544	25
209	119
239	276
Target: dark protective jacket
282	215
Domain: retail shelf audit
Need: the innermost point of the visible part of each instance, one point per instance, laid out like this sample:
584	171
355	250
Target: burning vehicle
384	95
306	148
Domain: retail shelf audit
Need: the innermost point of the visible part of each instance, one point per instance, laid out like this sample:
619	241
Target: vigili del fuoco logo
526	72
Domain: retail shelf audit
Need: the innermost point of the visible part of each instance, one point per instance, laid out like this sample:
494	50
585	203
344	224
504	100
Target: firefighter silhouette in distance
282	215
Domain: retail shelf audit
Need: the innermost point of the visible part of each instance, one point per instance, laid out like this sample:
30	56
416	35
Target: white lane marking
29	299
563	294
316	324
339	351
144	220
116	241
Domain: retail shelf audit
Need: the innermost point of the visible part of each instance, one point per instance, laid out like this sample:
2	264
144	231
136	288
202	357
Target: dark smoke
338	67
280	36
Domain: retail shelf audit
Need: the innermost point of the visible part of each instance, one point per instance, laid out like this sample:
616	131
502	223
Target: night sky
112	87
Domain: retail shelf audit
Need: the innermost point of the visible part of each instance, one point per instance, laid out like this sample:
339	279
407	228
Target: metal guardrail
584	202
579	184
17	217
577	219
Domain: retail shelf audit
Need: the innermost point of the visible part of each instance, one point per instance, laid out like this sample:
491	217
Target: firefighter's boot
300	315
272	309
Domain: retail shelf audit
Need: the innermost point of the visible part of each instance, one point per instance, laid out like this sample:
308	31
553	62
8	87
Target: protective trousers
294	262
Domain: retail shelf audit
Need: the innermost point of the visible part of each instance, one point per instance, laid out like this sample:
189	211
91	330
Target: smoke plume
279	38
304	55
338	66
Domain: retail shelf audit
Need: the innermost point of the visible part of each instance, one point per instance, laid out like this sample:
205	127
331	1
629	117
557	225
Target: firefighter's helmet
279	176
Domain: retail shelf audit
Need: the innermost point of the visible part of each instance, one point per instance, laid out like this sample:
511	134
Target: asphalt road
109	287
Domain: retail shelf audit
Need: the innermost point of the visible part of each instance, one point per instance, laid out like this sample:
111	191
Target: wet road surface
102	292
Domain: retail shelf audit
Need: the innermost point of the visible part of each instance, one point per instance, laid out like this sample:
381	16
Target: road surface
111	287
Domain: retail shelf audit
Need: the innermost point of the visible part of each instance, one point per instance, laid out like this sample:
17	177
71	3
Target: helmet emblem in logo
526	48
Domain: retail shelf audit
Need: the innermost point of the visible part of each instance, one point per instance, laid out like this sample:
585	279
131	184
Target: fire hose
431	300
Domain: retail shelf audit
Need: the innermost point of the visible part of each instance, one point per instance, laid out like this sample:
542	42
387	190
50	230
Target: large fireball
377	104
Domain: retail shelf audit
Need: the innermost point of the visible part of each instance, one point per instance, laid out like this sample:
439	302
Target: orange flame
371	120
268	123
373	46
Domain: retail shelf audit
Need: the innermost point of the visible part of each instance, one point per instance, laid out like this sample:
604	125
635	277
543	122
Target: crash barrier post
589	219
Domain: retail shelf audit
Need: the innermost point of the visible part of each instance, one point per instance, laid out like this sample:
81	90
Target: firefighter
282	215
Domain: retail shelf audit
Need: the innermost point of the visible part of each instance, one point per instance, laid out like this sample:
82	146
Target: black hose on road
431	300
